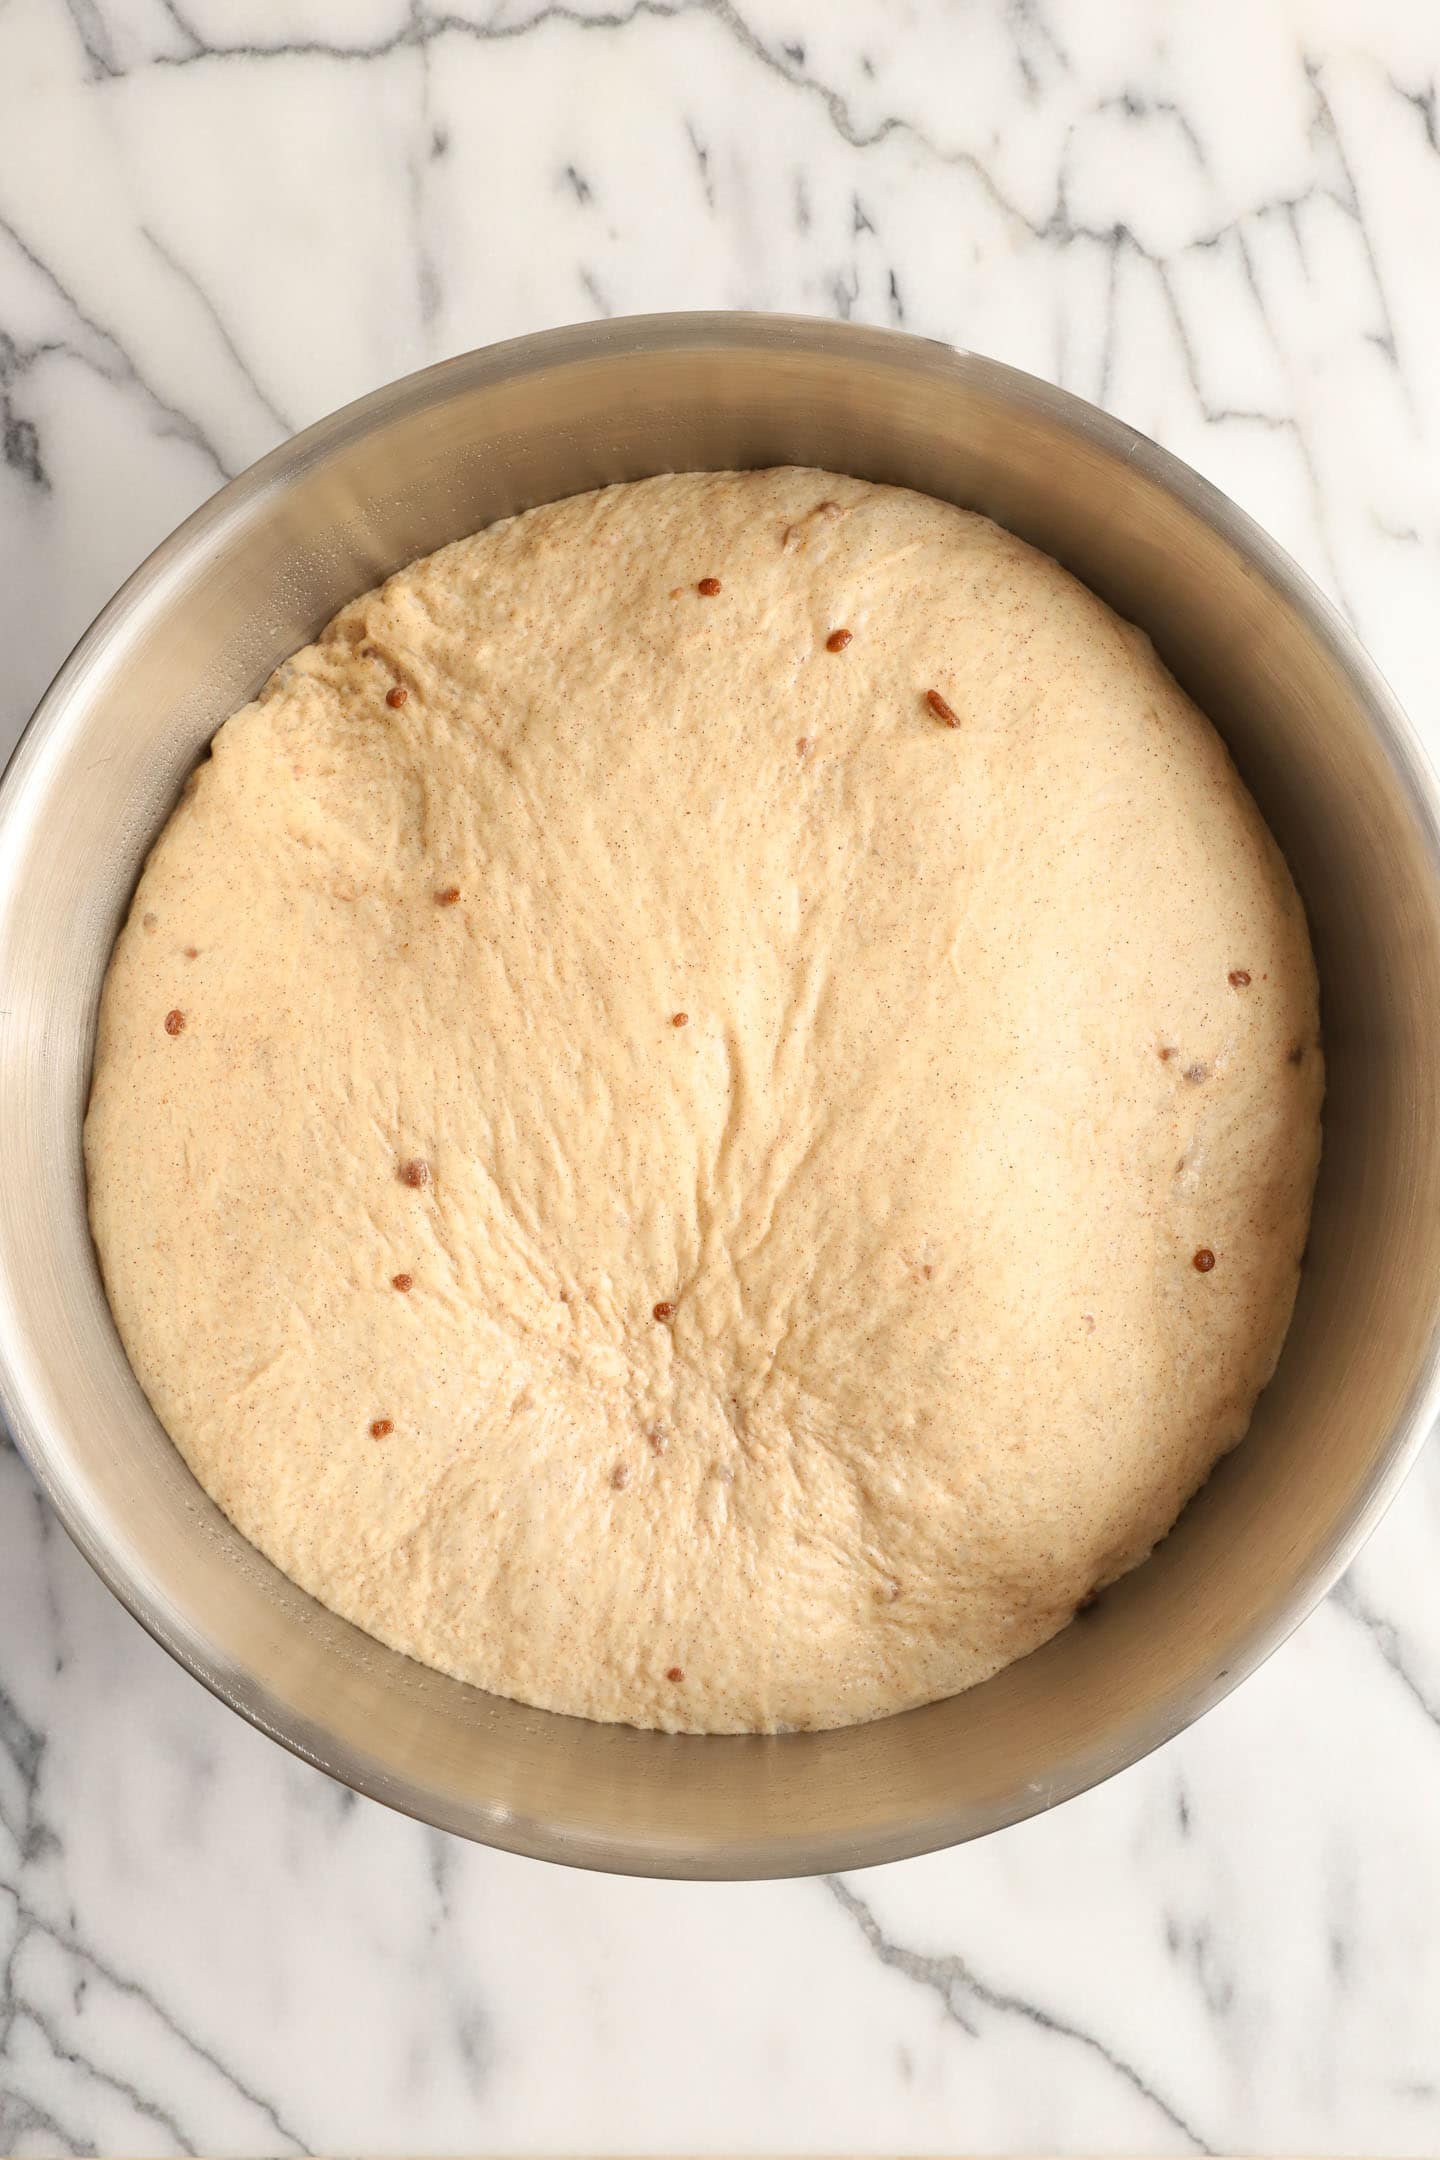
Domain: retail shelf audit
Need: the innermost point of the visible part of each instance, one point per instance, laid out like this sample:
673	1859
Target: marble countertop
221	218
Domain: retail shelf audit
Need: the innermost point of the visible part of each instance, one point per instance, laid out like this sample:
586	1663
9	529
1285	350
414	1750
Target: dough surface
658	1175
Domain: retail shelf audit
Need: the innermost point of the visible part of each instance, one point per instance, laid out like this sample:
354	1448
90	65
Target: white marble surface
220	218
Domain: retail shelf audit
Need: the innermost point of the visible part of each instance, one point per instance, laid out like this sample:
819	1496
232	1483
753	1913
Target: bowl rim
715	332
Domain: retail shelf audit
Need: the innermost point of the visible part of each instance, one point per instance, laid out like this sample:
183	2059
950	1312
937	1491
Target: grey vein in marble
109	357
192	284
963	1995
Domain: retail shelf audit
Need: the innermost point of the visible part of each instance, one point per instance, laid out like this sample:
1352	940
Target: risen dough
807	1359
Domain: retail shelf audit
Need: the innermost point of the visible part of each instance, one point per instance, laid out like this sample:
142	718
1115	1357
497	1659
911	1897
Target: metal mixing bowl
1335	768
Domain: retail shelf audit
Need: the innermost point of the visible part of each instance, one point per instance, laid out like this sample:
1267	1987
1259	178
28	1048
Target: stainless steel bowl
252	576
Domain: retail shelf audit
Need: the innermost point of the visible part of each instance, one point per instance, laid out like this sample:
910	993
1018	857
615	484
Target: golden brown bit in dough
709	586
192	952
674	1673
174	1021
1204	1260
802	744
1167	1051
1238	978
396	698
447	896
415	1173
402	1282
380	1427
941	709
679	1019
838	640
657	1441
620	1476
664	1310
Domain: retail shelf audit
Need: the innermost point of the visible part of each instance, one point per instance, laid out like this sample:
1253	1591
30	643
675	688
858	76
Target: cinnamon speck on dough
447	896
380	1427
174	1021
396	698
192	952
620	1476
1204	1260
679	1019
402	1282
838	640
1239	978
674	1673
656	1439
709	586
664	1310
1167	1051
802	744
415	1173
941	709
